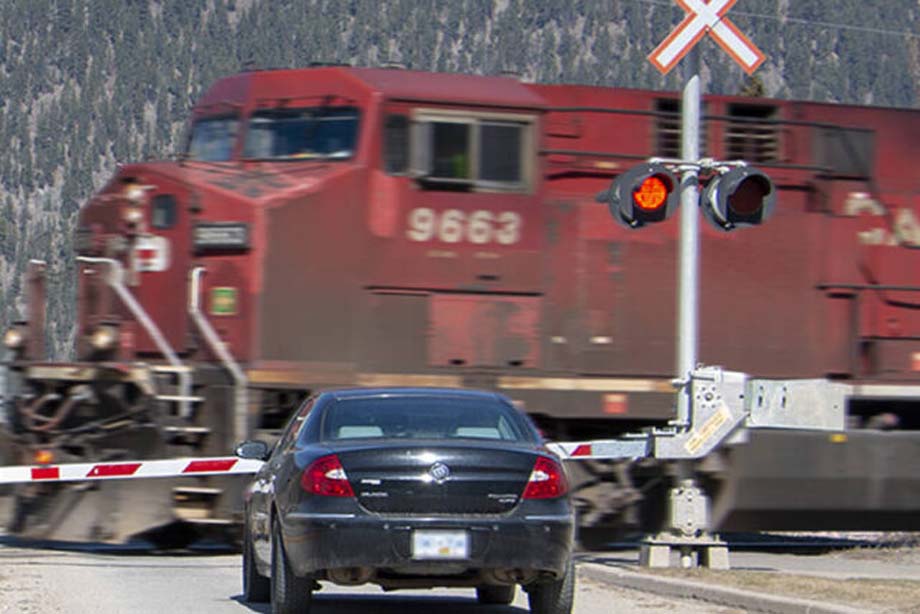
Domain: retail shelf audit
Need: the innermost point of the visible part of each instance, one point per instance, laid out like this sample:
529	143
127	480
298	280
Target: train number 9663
456	226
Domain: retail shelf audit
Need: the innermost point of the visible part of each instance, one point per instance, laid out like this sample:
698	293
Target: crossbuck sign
706	16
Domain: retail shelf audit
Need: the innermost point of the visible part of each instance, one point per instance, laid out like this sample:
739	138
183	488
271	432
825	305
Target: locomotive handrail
240	382
115	281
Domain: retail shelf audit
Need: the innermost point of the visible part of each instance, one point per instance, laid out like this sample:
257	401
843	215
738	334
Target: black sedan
408	488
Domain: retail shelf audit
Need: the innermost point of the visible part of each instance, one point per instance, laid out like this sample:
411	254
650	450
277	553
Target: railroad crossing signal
742	196
644	194
736	195
706	17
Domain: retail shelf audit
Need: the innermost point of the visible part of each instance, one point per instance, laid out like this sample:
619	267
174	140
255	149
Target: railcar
341	226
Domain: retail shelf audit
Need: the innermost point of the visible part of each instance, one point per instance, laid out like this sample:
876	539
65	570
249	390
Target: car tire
495	595
289	593
555	596
256	587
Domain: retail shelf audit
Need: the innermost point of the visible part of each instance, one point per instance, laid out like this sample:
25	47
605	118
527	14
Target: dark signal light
742	196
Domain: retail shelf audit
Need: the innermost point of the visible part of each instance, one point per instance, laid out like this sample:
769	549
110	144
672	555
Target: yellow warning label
708	430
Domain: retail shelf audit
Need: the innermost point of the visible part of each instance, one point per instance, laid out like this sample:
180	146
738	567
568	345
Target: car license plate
440	545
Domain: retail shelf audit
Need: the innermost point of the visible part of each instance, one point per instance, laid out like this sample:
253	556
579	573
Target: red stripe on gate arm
202	466
46	473
116	470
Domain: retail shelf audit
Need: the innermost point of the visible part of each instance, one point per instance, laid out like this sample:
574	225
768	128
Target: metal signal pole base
688	534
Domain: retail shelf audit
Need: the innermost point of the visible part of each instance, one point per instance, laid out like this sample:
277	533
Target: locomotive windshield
212	139
295	134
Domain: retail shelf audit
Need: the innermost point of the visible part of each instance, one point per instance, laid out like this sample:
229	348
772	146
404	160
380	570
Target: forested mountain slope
85	84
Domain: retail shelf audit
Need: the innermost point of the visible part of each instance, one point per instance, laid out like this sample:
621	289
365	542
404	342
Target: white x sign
706	16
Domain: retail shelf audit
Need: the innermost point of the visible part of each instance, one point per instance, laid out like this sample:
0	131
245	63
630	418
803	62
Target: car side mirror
255	450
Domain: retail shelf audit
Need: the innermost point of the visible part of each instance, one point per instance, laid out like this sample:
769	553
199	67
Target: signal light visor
742	196
547	480
326	477
645	194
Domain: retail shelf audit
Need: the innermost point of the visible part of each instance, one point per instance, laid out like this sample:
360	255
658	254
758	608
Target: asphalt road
48	581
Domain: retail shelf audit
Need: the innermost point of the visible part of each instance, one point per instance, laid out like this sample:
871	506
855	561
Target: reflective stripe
508	382
585	384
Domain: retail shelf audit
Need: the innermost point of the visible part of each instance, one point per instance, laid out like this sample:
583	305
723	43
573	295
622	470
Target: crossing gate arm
169	468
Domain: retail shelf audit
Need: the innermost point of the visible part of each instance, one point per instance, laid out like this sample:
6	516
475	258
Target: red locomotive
356	226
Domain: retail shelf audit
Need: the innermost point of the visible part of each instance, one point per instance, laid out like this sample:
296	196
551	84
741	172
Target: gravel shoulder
881	576
874	595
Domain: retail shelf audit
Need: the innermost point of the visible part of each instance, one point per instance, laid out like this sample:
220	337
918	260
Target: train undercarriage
96	412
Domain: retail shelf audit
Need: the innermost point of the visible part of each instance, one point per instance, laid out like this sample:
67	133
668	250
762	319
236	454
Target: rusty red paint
478	331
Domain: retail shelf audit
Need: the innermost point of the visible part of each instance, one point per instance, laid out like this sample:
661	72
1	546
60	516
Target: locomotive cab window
163	213
328	133
480	152
212	139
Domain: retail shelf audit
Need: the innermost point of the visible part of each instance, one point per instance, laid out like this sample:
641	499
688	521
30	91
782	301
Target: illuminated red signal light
644	194
651	194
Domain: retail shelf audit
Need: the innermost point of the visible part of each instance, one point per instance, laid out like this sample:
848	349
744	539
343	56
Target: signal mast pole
688	265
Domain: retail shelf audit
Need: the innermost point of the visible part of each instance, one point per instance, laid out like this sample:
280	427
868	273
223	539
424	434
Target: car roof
417	392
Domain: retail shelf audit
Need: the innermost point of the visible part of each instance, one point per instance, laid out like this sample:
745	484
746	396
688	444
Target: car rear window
423	418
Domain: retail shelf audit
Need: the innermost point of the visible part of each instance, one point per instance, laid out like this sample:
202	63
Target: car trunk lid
438	478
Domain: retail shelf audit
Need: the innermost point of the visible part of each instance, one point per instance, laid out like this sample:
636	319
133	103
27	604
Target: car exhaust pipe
513	576
350	576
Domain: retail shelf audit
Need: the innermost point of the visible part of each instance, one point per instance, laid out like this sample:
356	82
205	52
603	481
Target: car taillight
547	480
326	477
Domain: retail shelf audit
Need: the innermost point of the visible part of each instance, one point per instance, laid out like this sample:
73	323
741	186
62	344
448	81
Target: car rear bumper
319	542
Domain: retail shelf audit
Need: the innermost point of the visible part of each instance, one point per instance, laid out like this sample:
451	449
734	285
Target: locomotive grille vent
667	129
751	133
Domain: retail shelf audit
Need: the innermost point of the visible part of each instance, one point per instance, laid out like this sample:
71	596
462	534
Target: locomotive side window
460	151
329	133
501	149
396	144
212	139
163	212
450	149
